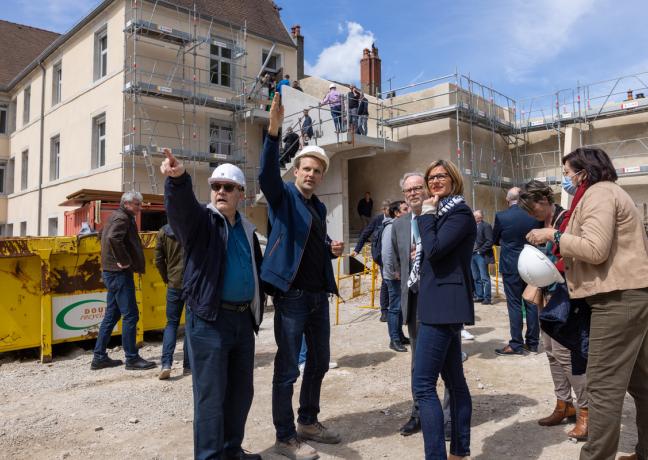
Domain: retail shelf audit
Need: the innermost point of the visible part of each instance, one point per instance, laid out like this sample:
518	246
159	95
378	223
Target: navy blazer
445	291
509	232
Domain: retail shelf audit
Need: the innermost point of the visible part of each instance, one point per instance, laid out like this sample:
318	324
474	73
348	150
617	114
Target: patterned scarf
445	206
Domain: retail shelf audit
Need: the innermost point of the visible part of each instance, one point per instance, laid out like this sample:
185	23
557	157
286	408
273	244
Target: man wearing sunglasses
297	265
224	303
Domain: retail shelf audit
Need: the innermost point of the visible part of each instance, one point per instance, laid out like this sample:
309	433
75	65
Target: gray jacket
401	240
389	267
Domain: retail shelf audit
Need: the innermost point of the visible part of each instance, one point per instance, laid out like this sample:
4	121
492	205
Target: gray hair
410	174
130	196
386	203
478	211
513	195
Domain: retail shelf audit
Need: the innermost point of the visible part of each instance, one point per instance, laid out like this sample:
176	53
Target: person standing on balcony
334	99
297	268
306	128
284	82
363	115
122	255
169	260
224	304
353	100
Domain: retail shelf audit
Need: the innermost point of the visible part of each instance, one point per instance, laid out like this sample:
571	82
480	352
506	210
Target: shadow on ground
365	359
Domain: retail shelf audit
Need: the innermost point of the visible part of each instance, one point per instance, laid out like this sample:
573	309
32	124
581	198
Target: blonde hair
453	172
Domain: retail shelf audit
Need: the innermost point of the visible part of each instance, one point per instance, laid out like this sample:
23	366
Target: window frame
55	157
24	169
98	141
278	59
101	53
216	145
4	172
26	104
57	83
49	226
23	228
4	108
219	59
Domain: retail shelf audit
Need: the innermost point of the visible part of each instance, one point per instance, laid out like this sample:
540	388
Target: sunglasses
229	188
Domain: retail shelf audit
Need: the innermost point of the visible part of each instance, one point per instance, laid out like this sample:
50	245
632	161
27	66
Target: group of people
357	105
433	250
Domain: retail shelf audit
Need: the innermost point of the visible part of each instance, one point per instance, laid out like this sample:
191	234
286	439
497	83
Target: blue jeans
362	125
336	113
303	351
394	316
299	313
174	306
513	289
438	351
120	303
221	353
384	294
480	275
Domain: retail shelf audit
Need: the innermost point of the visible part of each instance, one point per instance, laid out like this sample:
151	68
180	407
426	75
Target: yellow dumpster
51	291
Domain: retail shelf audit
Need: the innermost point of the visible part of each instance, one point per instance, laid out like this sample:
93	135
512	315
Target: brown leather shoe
628	457
580	430
562	411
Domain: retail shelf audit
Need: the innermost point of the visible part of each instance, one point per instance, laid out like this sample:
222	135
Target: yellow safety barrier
496	269
52	292
357	282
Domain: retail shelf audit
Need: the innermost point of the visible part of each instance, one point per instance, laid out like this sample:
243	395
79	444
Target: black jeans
299	313
221	354
513	289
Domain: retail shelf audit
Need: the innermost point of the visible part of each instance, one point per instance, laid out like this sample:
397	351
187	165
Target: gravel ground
63	410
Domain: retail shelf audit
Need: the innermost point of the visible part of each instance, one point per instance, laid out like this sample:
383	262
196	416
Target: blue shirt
238	279
281	83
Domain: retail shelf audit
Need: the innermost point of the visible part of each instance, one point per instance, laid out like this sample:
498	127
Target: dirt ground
63	410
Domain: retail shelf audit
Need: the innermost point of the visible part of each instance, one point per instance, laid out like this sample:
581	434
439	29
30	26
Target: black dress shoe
412	426
477	299
105	363
486	302
241	455
139	364
397	346
405	340
383	317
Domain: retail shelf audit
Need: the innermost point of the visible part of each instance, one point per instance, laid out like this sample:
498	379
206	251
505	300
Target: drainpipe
42	153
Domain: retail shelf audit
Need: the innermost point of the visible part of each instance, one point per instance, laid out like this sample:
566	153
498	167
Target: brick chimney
370	76
298	39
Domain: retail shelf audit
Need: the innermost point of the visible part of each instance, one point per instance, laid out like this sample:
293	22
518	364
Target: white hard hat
536	269
313	151
228	172
332	85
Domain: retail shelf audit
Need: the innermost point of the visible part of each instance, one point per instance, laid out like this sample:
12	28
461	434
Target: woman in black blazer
445	303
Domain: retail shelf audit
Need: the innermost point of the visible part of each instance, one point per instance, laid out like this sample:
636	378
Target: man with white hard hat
224	303
297	266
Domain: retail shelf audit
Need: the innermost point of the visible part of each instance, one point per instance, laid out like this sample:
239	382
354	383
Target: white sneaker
333	365
301	368
467	335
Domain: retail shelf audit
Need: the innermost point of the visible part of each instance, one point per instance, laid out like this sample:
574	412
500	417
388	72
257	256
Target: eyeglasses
439	177
229	188
415	189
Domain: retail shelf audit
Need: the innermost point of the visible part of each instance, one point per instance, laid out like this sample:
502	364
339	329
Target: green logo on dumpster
87	314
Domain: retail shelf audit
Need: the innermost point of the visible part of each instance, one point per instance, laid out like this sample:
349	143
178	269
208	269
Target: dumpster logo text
87	313
77	315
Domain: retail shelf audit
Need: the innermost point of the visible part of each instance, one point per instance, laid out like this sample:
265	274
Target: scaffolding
186	88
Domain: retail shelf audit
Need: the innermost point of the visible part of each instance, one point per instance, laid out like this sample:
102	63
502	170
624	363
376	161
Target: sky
521	48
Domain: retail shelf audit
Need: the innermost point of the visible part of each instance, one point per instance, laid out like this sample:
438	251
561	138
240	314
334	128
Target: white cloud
541	30
341	61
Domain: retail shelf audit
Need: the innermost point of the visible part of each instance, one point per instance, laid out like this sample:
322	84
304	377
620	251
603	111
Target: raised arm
270	180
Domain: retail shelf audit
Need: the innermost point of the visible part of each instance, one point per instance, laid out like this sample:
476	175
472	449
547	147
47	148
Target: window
99	141
23	228
52	226
24	169
57	82
220	63
9	176
7	230
55	157
274	63
101	54
220	137
3	177
26	103
3	118
12	116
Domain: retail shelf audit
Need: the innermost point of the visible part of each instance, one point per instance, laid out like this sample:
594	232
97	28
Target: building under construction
93	109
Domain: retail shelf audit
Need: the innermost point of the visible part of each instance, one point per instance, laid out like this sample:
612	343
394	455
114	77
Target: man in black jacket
363	115
365	208
354	100
482	256
121	256
224	304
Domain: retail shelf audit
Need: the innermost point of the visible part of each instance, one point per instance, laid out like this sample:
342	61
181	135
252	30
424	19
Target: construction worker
121	256
169	260
297	266
224	304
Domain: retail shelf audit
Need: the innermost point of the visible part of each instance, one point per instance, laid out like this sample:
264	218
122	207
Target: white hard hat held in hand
536	269
315	152
228	172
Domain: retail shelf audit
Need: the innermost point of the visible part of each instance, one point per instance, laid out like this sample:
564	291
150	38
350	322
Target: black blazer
445	292
509	232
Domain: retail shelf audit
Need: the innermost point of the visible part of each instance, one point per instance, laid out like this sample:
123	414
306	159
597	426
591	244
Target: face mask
568	185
